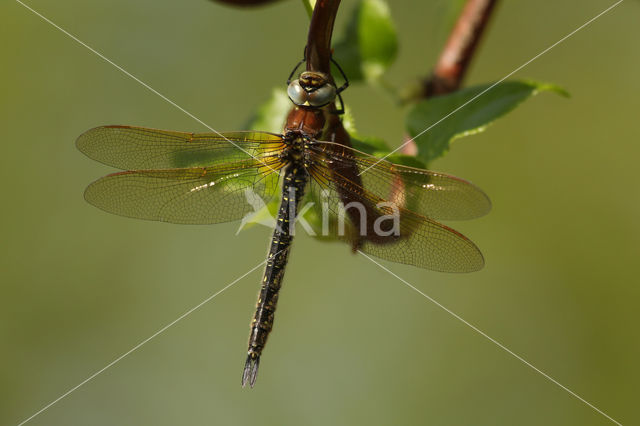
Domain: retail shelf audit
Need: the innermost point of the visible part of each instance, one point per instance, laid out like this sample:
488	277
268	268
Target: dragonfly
377	207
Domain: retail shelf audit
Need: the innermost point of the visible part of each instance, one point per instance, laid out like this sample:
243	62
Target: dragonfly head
312	89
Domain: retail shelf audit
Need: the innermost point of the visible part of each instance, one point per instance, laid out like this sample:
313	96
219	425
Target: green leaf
370	43
369	145
264	215
348	121
365	144
271	115
405	160
482	106
308	6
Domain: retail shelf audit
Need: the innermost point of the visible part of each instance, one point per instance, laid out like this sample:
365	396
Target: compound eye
322	96
296	93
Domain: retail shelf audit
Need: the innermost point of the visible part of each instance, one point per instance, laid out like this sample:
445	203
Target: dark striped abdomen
295	179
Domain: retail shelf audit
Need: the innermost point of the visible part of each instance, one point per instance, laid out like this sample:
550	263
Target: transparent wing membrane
413	239
182	177
137	148
190	196
210	178
432	194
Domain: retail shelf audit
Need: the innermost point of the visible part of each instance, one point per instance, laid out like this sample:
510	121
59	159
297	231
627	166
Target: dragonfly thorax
295	144
313	89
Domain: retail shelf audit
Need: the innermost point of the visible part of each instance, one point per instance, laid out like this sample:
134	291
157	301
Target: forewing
137	148
431	194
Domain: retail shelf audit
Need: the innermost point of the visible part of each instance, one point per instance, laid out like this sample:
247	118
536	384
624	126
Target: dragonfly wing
137	148
202	195
432	194
384	229
429	245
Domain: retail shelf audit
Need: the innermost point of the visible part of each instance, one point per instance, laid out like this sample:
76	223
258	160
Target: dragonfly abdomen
295	179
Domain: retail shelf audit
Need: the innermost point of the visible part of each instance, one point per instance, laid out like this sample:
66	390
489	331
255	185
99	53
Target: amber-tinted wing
137	148
432	194
192	178
420	240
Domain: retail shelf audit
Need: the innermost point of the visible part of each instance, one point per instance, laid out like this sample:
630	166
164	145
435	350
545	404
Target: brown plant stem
318	51
456	55
459	49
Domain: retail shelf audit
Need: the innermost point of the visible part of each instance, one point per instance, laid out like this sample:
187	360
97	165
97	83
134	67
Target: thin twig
320	30
457	53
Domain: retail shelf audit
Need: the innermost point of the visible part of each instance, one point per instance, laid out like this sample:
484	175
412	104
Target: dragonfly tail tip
250	371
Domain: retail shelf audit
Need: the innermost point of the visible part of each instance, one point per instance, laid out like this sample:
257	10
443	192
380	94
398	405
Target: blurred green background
352	345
